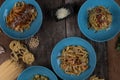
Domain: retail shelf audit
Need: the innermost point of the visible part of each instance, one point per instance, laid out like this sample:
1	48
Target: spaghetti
9	70
21	16
99	18
74	60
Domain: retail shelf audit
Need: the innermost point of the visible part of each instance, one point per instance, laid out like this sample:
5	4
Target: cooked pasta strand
99	18
74	60
21	16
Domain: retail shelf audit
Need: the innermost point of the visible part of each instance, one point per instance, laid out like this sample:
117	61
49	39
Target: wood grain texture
113	57
71	22
72	29
52	32
4	41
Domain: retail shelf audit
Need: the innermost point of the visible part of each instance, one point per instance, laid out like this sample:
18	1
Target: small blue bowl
57	52
29	73
34	27
102	35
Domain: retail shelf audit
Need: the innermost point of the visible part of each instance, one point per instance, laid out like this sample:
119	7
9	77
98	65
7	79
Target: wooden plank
118	2
101	69
114	57
1	1
4	41
50	33
113	60
71	22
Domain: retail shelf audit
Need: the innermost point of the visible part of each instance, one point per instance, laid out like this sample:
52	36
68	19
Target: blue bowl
57	52
29	73
103	35
34	27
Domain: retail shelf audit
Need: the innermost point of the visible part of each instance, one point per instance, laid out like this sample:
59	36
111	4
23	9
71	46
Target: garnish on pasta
74	60
21	16
99	18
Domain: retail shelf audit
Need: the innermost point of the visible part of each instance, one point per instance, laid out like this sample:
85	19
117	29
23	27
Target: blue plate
29	73
57	52
34	27
103	35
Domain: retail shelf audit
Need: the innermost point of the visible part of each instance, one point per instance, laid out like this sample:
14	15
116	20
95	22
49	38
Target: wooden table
52	32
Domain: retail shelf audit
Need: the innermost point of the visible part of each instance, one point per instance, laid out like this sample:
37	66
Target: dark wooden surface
52	32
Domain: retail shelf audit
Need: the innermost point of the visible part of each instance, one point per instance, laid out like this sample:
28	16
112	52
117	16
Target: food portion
9	70
99	18
33	42
74	60
20	51
62	13
40	77
21	16
94	77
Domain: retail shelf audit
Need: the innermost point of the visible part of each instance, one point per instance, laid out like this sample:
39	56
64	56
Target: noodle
28	58
94	77
40	77
99	18
21	16
19	51
74	60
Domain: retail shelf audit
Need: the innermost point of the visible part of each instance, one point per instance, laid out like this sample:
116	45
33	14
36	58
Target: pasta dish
74	60
99	18
21	16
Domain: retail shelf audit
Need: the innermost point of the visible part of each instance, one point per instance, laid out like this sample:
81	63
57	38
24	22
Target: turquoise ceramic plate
29	73
34	27
57	52
103	35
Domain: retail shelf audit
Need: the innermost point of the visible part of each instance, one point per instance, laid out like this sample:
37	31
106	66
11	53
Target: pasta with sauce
74	60
21	16
99	18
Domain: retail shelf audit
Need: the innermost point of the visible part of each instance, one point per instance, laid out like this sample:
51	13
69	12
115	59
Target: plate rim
79	24
61	41
15	36
45	68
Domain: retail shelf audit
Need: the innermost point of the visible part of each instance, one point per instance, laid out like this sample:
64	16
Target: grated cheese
62	13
